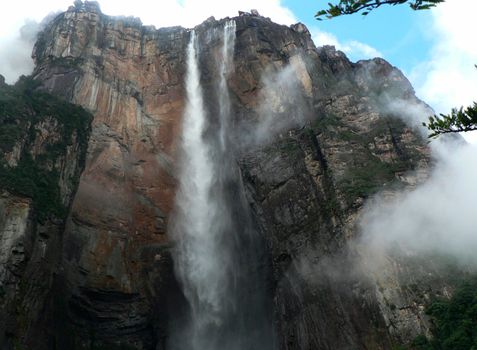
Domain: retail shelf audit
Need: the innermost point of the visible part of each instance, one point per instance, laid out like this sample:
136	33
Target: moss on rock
23	107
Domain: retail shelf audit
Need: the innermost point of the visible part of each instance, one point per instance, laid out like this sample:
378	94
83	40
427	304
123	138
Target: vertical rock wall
332	146
43	144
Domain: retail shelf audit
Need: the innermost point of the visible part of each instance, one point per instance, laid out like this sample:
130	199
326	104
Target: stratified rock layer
328	145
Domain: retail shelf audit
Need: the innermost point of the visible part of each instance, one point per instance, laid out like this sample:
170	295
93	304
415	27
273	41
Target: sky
435	49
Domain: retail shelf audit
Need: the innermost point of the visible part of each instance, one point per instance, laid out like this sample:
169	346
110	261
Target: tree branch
347	7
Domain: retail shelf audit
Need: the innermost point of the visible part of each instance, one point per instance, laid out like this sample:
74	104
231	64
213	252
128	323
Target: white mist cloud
448	78
413	114
189	13
438	216
354	49
15	52
15	48
20	23
282	102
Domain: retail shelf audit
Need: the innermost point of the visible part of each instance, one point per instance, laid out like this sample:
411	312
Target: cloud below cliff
435	217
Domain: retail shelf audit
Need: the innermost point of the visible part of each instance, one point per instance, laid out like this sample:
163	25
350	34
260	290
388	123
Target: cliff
43	143
304	173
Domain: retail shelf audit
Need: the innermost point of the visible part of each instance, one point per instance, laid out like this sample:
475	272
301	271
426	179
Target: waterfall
211	225
226	66
200	262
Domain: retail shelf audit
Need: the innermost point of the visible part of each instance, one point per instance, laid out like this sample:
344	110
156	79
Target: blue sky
398	32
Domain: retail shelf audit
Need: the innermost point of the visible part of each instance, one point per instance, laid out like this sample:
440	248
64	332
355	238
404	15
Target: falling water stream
215	253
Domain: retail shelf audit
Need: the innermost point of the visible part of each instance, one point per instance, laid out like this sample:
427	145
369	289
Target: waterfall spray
212	226
200	263
200	277
226	67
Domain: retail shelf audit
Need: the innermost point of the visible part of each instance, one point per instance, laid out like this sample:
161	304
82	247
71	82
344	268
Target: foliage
454	320
363	180
366	172
421	343
41	185
22	108
457	121
347	7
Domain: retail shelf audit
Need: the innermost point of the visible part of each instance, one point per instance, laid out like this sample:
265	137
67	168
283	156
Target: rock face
43	144
314	139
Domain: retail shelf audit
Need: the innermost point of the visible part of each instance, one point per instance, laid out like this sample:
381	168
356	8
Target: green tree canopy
454	321
459	120
347	7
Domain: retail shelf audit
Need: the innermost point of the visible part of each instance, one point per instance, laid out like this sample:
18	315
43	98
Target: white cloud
15	50
17	34
448	78
324	38
189	13
437	216
354	49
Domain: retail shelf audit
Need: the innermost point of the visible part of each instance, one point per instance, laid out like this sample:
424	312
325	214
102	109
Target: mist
216	244
15	52
282	104
437	216
413	114
16	48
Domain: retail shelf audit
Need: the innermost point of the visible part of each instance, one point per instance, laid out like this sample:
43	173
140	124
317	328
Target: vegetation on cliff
368	171
454	321
36	174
